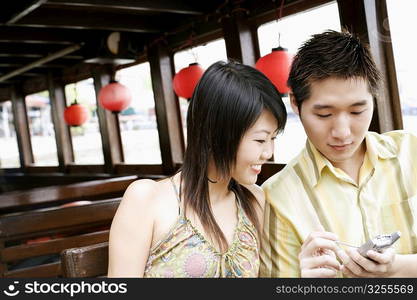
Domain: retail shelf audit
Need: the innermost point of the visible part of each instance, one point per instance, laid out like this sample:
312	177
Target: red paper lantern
114	97
186	80
76	114
276	66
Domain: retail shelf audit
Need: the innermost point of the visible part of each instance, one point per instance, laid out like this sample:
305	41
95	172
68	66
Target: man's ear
294	105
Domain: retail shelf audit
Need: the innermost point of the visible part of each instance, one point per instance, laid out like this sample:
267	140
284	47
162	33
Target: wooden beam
109	123
239	39
171	139
364	18
41	61
21	124
168	6
3	267
79	72
34	85
69	75
38	49
73	57
41	170
20	54
76	19
389	108
25	10
27	35
141	170
267	12
352	17
27	74
19	61
5	93
62	133
14	65
86	169
205	33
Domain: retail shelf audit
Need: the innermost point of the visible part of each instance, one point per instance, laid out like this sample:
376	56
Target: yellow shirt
310	191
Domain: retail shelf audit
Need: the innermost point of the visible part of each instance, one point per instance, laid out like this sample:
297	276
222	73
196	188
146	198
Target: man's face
337	116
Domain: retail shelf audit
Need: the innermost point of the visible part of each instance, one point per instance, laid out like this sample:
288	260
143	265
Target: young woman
205	220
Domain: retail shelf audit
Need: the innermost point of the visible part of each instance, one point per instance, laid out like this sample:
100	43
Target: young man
347	185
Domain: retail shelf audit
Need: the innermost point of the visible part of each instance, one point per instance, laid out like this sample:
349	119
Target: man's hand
317	256
377	265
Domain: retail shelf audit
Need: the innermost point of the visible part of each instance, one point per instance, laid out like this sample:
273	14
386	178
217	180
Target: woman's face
255	148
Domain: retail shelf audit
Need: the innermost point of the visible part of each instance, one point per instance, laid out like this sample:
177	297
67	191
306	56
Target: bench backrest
55	195
66	227
87	261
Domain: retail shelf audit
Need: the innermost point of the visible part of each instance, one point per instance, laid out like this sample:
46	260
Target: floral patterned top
186	253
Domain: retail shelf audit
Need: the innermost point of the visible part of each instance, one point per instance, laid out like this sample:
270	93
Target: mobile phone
379	243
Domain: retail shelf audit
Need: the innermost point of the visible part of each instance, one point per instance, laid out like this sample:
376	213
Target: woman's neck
218	186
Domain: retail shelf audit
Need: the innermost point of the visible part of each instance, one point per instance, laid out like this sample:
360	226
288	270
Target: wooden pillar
171	139
109	124
21	124
62	132
352	17
389	110
241	42
3	265
365	18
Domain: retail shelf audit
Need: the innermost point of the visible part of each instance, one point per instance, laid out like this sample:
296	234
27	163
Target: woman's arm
131	231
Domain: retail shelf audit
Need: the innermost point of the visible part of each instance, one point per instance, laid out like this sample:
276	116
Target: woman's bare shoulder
142	185
141	193
142	188
139	206
148	193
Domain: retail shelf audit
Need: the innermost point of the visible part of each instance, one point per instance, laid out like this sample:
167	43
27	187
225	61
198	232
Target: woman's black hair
226	102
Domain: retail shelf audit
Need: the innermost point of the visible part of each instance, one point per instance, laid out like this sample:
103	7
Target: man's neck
352	166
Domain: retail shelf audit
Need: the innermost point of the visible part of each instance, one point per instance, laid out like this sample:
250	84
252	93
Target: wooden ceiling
72	34
31	30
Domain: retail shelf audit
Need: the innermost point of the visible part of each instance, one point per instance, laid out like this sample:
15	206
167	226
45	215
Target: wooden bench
56	195
69	227
87	261
19	181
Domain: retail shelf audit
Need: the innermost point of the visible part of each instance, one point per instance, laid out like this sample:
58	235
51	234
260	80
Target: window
138	125
9	151
205	55
319	19
42	134
86	139
401	20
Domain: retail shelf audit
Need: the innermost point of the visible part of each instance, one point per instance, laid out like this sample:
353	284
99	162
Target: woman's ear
294	105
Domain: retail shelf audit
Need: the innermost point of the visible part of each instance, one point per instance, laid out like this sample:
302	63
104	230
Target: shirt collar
380	146
377	147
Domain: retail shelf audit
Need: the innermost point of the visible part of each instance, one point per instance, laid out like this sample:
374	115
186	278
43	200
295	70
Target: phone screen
379	243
